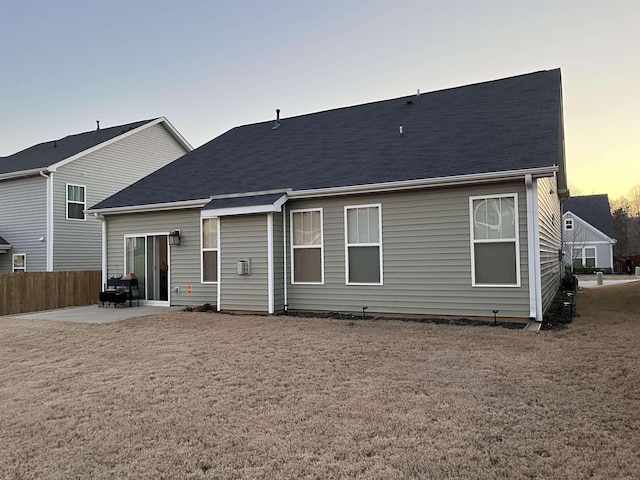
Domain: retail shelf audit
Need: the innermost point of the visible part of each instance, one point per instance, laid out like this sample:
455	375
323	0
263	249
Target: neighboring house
45	189
446	203
588	232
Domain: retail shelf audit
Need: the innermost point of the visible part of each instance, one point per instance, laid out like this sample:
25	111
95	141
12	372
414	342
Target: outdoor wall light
174	237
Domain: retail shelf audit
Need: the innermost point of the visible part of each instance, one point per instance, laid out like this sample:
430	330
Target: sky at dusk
209	66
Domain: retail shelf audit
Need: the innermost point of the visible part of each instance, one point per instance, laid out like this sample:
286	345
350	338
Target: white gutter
104	248
270	267
429	182
152	207
533	247
198	203
23	173
230	211
49	221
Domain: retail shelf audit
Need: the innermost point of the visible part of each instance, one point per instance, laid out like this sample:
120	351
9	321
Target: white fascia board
5	248
230	211
23	173
249	194
95	148
593	242
153	207
588	226
175	133
429	182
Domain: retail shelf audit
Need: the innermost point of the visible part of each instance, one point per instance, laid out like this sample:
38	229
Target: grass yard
201	395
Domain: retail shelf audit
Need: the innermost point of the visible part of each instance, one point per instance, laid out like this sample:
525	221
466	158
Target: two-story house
45	190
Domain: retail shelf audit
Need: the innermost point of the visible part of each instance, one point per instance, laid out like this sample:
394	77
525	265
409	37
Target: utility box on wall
244	266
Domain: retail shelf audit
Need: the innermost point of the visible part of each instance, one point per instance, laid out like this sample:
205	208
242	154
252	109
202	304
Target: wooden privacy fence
36	291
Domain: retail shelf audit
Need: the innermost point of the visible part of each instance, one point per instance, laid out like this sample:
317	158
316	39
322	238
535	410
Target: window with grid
494	239
307	246
76	202
363	235
209	266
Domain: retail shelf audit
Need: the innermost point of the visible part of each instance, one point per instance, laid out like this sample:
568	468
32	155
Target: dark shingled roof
48	153
593	209
3	241
502	125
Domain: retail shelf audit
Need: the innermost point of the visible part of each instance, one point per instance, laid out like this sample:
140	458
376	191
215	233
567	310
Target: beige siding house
421	205
45	190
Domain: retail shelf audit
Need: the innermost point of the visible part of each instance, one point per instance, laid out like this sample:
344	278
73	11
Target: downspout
533	248
284	243
49	224
270	269
219	286
103	221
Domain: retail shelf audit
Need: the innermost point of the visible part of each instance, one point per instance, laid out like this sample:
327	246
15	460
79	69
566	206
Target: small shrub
205	308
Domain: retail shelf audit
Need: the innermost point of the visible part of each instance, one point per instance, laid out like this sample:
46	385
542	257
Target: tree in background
626	223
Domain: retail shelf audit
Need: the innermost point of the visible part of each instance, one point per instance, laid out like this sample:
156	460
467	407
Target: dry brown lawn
197	395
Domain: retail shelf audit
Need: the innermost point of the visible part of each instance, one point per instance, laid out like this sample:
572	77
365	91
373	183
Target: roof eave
426	183
589	226
24	173
153	207
246	210
117	138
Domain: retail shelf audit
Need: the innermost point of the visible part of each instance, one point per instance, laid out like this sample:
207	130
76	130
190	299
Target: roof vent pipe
418	93
277	122
98	125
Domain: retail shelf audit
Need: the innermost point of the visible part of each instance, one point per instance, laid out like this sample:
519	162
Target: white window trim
13	263
202	250
568	223
84	204
497	240
296	247
585	256
347	244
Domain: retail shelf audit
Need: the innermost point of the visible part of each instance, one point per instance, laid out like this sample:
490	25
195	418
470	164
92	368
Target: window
494	239
568	223
76	202
363	234
584	257
19	262
307	256
209	250
589	256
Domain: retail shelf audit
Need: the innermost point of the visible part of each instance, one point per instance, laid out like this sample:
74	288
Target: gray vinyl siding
582	236
23	220
550	228
184	258
426	257
241	237
278	262
77	243
604	257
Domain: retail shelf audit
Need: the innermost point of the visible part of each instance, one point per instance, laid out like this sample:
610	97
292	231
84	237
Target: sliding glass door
148	257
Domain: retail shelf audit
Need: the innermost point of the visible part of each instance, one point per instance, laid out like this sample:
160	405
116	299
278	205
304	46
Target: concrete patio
94	314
